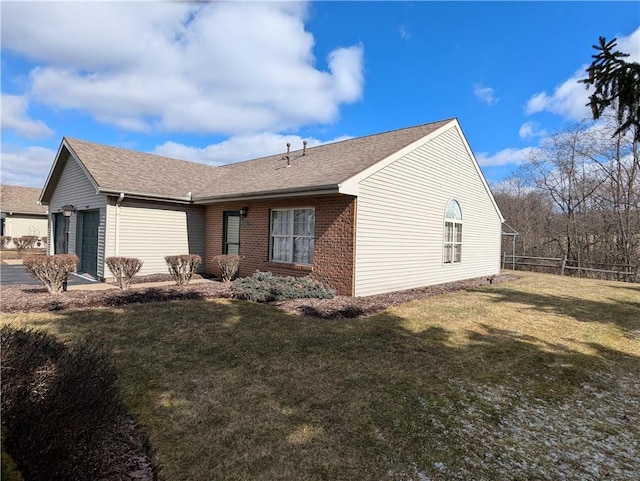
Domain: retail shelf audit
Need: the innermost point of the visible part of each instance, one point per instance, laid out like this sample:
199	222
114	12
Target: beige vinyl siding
400	219
18	225
76	188
152	230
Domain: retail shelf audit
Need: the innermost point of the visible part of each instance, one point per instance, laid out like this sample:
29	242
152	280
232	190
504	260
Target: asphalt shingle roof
21	200
324	165
328	165
122	170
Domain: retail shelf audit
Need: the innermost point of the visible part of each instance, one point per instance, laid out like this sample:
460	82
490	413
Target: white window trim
454	244
291	236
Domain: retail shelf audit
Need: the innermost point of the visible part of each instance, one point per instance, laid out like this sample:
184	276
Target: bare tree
562	171
529	211
619	198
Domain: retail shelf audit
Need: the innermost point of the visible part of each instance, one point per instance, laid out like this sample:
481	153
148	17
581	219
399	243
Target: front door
89	242
231	233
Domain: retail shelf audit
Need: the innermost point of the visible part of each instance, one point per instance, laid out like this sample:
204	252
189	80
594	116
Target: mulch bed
22	298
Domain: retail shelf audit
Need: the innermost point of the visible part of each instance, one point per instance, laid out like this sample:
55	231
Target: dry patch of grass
532	379
15	254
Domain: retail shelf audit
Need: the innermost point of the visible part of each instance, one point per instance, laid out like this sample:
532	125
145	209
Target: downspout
117	240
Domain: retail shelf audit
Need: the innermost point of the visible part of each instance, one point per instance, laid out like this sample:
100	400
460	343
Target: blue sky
223	82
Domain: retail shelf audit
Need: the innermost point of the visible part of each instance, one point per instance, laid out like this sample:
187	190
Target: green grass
532	379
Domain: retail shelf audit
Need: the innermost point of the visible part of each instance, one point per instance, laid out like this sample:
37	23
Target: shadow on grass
624	314
349	312
236	390
628	286
149	295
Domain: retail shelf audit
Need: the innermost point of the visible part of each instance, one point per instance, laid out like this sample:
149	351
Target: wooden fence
564	266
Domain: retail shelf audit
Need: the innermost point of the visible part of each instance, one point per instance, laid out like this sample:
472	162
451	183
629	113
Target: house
21	214
385	212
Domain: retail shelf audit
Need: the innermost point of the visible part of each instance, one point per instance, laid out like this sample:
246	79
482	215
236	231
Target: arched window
452	233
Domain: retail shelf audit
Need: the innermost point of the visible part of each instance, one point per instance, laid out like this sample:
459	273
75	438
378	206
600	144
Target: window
292	235
452	233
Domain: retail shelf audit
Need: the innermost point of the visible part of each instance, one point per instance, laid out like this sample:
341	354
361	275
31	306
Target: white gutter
146	196
117	240
294	192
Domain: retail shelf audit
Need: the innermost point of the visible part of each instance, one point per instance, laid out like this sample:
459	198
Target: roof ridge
361	137
20	186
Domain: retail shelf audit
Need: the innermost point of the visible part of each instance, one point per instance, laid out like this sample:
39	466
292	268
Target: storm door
231	233
59	234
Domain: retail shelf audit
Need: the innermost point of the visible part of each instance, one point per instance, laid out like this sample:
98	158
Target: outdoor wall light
244	211
68	209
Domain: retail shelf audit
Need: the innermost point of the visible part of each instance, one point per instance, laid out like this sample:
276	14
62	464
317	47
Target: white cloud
234	149
238	148
630	45
14	117
28	167
508	156
570	98
226	67
485	95
531	129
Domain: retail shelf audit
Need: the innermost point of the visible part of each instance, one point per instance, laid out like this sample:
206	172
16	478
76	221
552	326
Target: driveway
17	274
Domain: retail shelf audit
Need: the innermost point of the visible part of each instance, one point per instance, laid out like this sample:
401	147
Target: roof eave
55	172
186	199
44	197
270	194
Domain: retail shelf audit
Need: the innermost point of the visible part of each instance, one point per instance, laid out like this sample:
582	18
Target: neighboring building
391	211
20	212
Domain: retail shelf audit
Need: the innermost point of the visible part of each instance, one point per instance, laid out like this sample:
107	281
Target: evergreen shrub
266	287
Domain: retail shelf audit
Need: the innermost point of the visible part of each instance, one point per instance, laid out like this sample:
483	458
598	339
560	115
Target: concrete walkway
17	274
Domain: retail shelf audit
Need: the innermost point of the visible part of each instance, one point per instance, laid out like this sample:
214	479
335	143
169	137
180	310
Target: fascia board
145	196
83	168
44	199
479	171
320	190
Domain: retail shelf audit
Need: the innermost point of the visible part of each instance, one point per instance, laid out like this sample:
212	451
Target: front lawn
12	254
537	378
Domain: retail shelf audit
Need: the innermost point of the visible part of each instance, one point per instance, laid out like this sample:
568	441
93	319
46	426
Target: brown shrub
62	415
25	242
123	269
53	271
183	267
229	265
5	240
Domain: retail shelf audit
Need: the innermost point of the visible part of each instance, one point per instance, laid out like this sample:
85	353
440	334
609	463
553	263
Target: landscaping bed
22	298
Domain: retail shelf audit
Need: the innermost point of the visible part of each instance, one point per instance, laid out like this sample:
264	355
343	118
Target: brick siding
333	257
